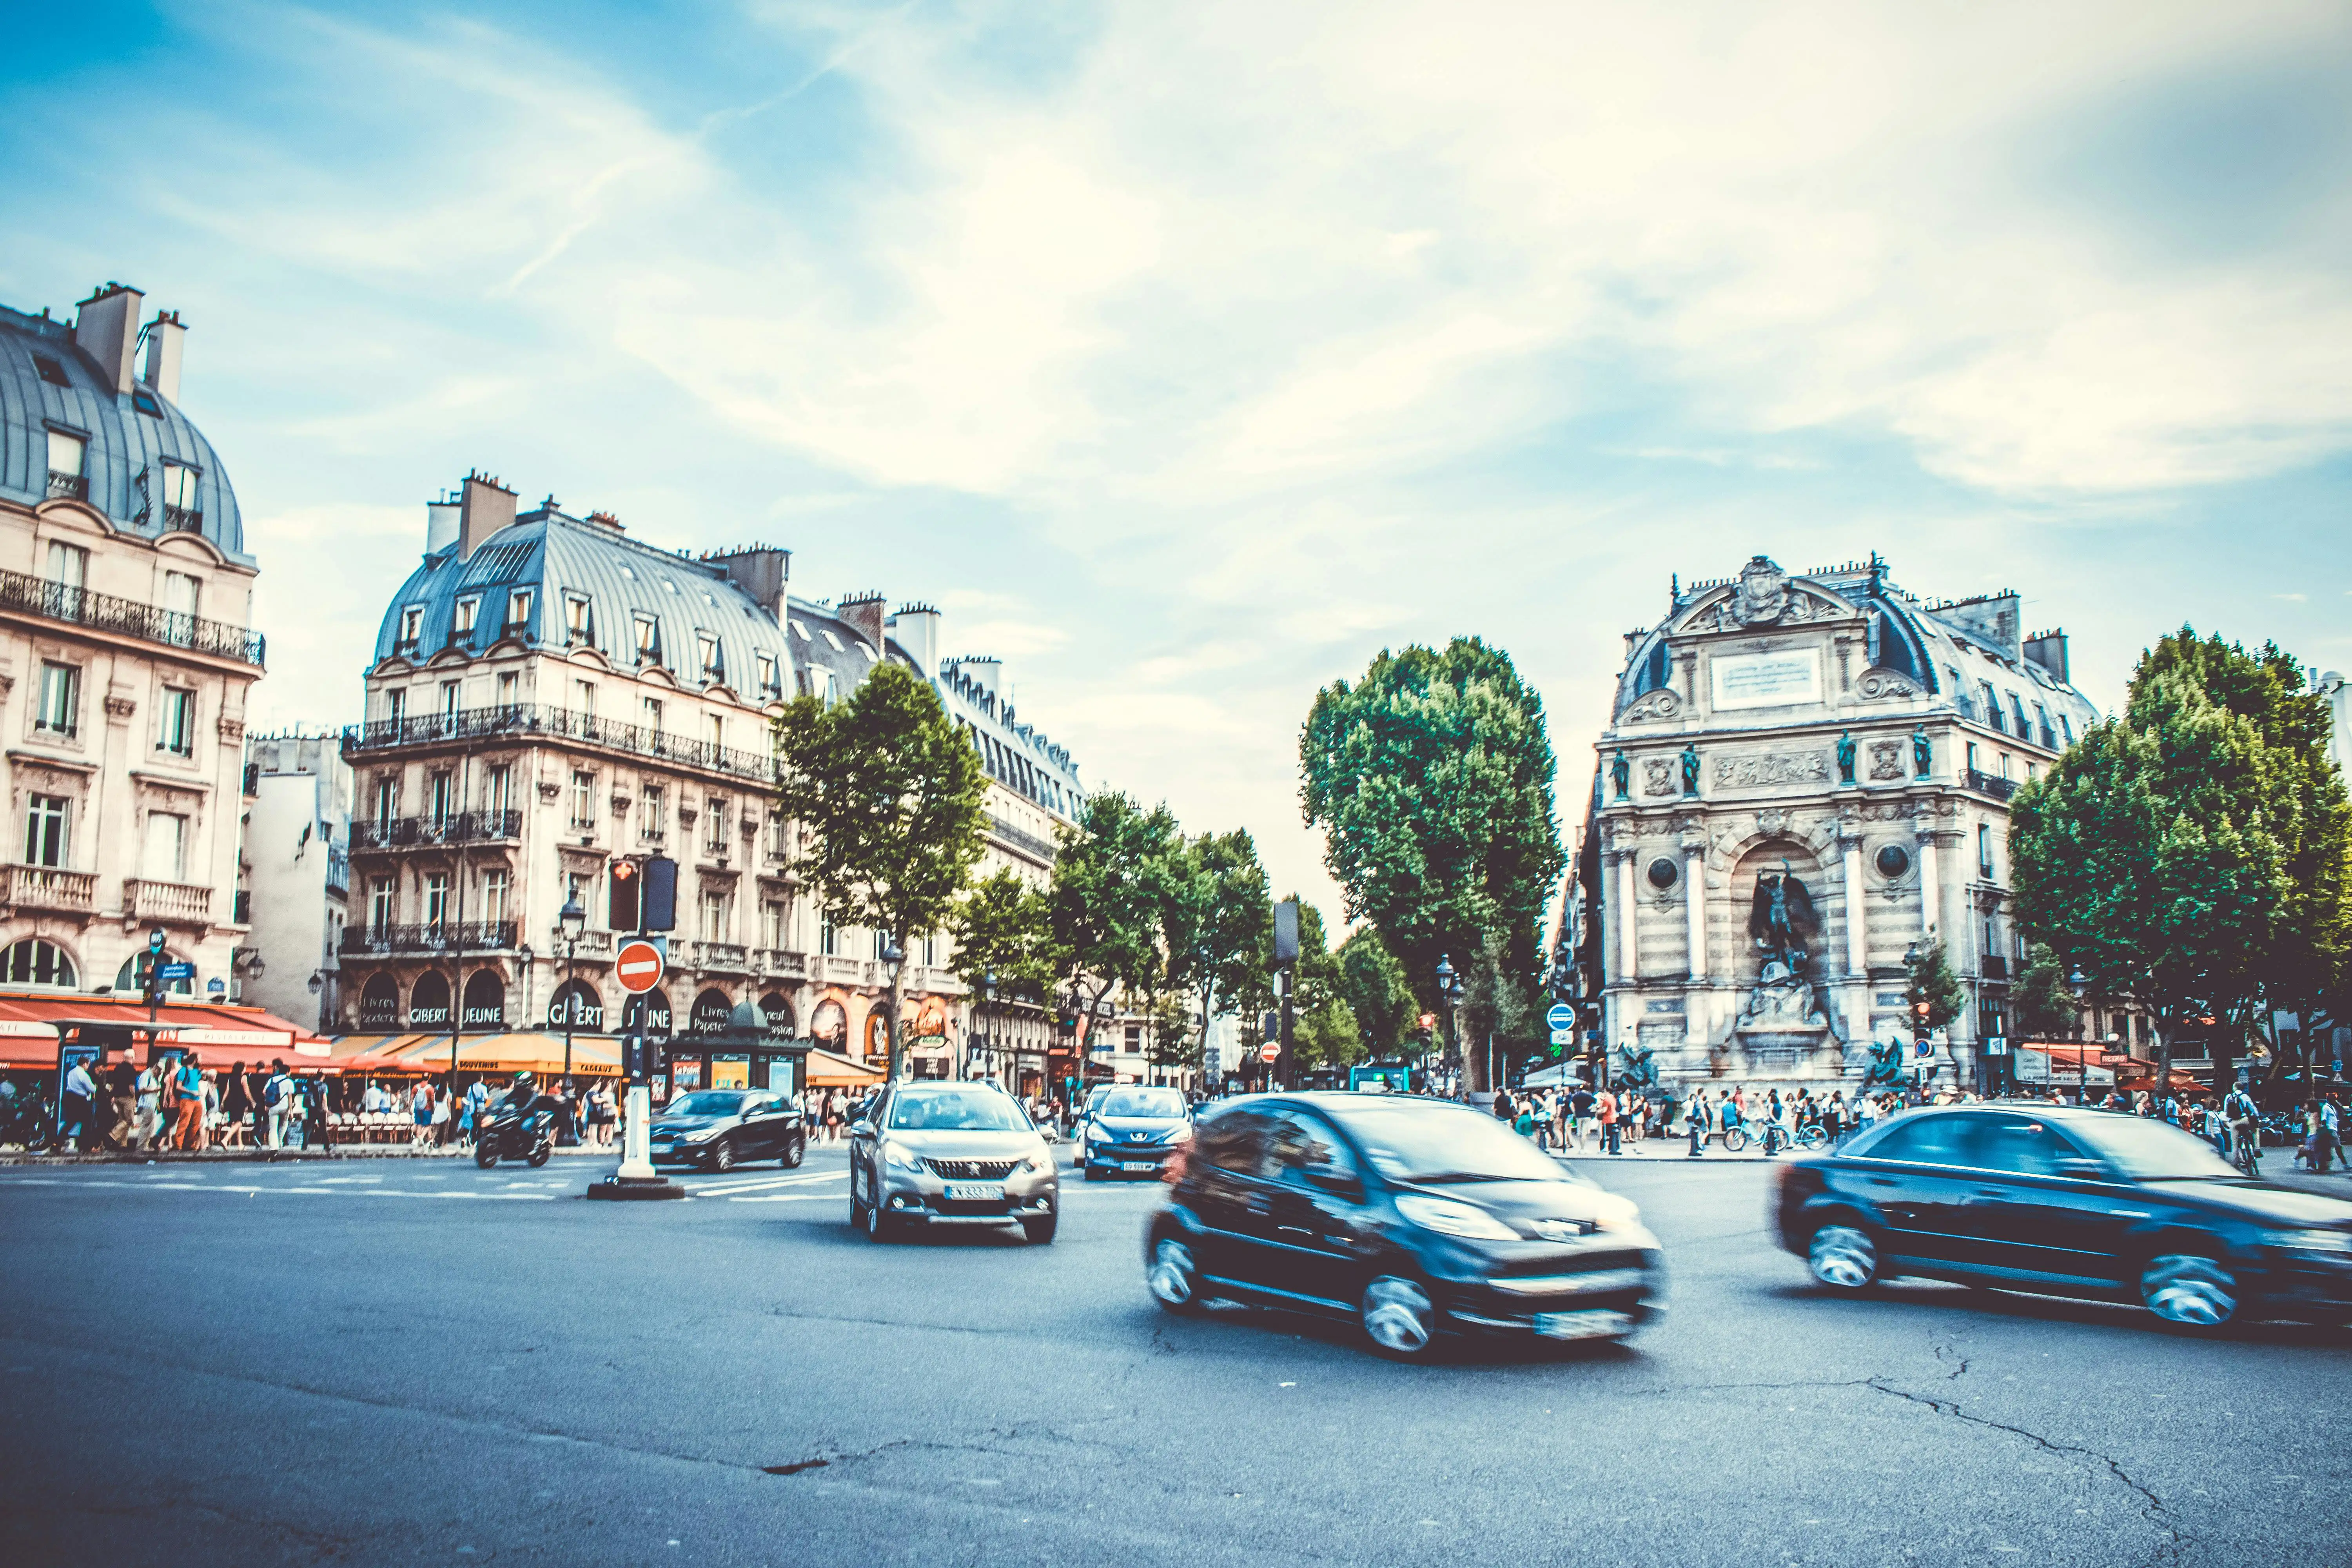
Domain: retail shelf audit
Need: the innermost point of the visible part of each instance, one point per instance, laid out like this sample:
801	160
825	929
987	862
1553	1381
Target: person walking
1605	1108
188	1129
149	1121
420	1112
1695	1122
78	1107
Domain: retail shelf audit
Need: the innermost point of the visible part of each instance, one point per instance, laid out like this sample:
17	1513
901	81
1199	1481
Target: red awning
215	1033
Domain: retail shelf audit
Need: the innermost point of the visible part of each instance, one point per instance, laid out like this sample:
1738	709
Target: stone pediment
1764	595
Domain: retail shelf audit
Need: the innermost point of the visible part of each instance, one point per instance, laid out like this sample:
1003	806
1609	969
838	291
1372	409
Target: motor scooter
528	1135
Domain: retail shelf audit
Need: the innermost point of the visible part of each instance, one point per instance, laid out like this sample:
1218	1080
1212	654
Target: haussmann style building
1803	777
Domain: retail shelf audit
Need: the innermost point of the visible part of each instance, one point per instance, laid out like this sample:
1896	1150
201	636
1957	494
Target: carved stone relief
1771	768
1658	776
1881	685
1886	760
1659	704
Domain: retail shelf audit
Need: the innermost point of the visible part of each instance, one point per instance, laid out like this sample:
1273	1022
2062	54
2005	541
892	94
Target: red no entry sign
638	965
1270	1051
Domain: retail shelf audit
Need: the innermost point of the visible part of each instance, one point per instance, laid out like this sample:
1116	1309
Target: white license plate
975	1191
1138	1164
1588	1325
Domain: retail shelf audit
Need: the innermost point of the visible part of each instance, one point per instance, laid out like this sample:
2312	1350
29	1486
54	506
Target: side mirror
2076	1167
861	1128
1338	1181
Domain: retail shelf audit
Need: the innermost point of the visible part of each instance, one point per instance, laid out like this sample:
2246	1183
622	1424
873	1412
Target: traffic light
641	1056
660	897
624	902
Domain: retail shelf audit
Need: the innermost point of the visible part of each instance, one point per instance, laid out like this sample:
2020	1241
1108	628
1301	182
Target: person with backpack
277	1095
188	1120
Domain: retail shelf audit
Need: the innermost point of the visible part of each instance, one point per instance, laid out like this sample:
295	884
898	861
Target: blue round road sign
1561	1017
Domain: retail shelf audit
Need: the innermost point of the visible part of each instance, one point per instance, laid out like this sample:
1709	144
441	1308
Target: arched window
713	1009
576	1004
33	961
380	1003
877	1033
778	1010
126	979
428	1001
486	1001
830	1024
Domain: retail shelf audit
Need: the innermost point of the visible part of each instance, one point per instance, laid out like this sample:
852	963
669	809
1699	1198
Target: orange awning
827	1069
215	1033
522	1050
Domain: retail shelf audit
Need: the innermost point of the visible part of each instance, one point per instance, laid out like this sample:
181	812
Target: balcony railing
148	900
338	872
28	595
1988	784
527	721
419	832
1027	843
780	964
47	888
1995	967
446	936
69	486
182	520
730	957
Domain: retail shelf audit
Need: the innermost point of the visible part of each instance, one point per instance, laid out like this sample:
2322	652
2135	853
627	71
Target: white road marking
800	1180
788	1198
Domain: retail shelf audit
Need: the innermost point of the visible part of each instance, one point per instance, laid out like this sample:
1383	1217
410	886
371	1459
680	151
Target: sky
1188	355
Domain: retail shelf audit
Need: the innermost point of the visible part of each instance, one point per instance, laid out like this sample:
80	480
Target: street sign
1270	1051
175	971
1561	1017
1562	1036
639	966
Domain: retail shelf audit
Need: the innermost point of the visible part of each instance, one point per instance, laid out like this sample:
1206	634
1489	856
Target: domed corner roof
126	443
556	555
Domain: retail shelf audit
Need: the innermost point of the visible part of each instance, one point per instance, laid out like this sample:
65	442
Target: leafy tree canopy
1004	928
1113	876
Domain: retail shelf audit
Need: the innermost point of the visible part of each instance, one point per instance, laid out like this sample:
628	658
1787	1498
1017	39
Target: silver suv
950	1153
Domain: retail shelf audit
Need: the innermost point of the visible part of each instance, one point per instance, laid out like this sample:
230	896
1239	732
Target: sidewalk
268	1156
1666	1149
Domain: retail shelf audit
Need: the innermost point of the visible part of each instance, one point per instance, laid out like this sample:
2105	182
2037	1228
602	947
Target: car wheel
1174	1277
1399	1318
1844	1258
486	1154
2189	1290
1039	1232
796	1151
880	1226
722	1156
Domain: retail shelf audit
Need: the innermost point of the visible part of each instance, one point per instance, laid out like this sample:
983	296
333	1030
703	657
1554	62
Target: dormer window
51	370
69	466
144	401
770	683
518	611
183	511
412	629
648	640
706	645
470	610
577	627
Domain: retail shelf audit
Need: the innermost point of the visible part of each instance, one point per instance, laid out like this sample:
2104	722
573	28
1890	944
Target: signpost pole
638	967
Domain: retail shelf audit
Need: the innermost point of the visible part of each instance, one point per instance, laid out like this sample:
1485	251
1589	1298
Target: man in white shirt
76	1106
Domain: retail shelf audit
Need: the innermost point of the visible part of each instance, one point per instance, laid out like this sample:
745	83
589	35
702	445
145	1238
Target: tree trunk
897	1047
1474	1077
2163	1063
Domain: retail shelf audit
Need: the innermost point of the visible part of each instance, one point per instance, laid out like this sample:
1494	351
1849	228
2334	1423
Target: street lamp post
988	1030
570	921
1918	1010
894	958
1449	987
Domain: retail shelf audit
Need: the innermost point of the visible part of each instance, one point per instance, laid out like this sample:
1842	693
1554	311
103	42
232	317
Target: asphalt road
415	1362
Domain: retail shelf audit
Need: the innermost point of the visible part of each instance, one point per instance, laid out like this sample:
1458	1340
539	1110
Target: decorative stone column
1930	892
1629	920
1695	900
1857	962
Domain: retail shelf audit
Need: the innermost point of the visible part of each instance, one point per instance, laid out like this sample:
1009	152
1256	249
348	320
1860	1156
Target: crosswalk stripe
791	1181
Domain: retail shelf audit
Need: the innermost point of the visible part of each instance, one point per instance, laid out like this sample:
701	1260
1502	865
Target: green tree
888	792
1432	778
2191	854
1374	985
1217	925
1323	1029
2043	1005
1112	875
1502	1013
1002	932
1929	979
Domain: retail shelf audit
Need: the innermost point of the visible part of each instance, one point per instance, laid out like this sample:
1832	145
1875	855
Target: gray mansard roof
129	435
560	557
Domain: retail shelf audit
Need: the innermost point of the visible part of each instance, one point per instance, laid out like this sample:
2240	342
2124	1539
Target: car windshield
1409	1141
2149	1151
704	1102
956	1111
1159	1102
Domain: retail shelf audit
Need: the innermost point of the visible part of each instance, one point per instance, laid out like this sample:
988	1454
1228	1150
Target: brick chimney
864	612
165	336
106	329
484	507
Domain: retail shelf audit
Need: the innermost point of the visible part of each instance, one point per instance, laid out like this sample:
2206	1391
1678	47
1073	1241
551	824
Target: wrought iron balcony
439	937
1988	784
48	887
430	832
69	486
182	520
31	595
527	721
338	872
1015	838
1995	967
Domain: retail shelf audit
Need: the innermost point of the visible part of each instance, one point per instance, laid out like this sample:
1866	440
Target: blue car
1131	1131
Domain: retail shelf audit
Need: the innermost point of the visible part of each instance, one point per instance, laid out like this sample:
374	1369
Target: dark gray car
718	1128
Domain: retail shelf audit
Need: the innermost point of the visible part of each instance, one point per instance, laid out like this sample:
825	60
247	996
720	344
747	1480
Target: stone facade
1803	777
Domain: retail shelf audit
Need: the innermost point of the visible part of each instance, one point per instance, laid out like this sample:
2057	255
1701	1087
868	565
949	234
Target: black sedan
2061	1201
1131	1131
718	1128
1415	1218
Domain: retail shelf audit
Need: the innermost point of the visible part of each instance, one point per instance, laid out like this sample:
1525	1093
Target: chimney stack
987	672
484	507
917	628
864	612
762	571
106	329
441	523
165	336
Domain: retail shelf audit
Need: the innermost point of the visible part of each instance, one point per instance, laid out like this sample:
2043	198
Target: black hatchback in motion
2064	1200
1416	1218
718	1128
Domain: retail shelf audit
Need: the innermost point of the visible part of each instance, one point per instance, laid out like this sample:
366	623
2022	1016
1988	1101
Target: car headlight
1448	1218
1611	1212
906	1159
1038	1162
1180	1134
705	1136
2310	1240
1095	1134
